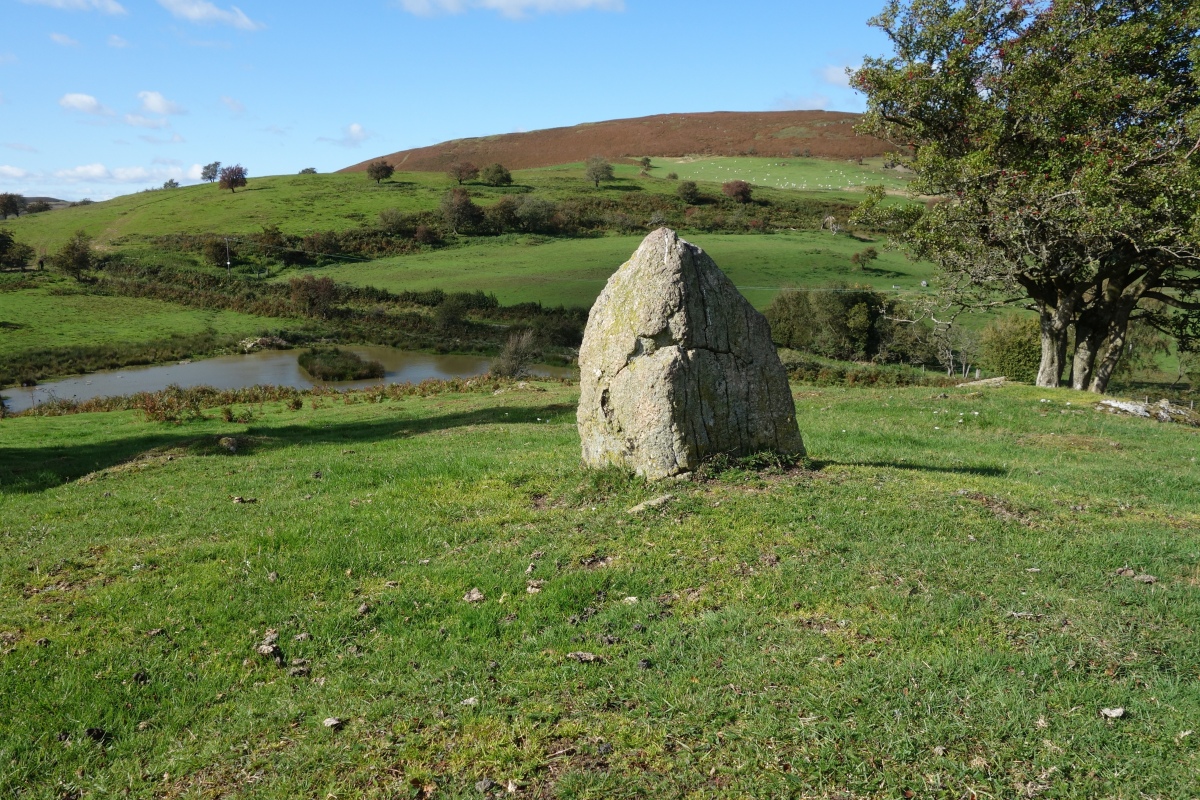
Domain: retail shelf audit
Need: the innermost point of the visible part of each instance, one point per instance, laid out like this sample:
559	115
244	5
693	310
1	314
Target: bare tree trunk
1087	346
1054	323
1114	341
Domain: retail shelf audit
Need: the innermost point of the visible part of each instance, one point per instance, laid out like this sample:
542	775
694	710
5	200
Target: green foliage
380	170
11	205
1011	346
14	254
849	323
75	257
459	211
598	169
210	172
496	175
38	207
1060	138
335	364
308	171
688	192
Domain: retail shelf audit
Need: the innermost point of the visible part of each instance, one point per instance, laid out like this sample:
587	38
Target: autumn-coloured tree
1060	140
459	211
462	171
737	191
232	178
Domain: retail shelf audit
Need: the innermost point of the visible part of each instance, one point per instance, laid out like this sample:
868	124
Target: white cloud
138	121
63	39
13	173
106	6
352	136
514	9
24	148
85	104
194	171
175	139
204	11
233	105
835	75
89	172
117	42
805	102
155	103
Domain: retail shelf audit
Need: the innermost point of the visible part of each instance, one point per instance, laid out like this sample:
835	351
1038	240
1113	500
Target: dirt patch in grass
1058	441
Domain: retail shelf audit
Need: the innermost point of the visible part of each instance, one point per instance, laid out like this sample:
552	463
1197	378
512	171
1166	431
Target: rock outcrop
676	366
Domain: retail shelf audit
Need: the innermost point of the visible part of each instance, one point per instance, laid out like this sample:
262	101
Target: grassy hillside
573	271
932	610
59	314
799	174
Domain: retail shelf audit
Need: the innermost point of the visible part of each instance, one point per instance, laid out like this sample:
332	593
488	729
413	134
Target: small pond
266	367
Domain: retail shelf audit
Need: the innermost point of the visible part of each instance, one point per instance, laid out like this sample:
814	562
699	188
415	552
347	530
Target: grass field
59	315
933	609
573	271
798	174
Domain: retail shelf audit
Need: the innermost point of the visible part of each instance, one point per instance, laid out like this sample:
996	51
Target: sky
100	98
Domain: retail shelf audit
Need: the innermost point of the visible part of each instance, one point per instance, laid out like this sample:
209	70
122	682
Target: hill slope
824	134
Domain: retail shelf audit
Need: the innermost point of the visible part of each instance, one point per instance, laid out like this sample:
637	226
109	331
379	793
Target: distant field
799	174
35	318
573	271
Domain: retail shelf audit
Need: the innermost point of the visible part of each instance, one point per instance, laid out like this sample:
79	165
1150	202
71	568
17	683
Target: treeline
398	233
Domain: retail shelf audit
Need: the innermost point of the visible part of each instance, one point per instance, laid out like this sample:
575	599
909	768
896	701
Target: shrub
496	175
462	171
75	257
845	323
688	192
598	169
1012	347
738	191
308	171
518	353
335	364
459	212
672	176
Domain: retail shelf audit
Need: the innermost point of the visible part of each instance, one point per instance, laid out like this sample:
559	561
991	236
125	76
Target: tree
75	257
308	171
688	192
380	170
459	211
233	178
37	207
598	169
210	172
14	254
737	191
12	204
645	162
170	183
313	296
495	175
1059	140
462	171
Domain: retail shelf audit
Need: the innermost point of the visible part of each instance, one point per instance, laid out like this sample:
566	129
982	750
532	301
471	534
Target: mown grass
573	271
931	609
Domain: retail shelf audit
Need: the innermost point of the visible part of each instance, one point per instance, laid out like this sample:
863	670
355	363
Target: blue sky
104	97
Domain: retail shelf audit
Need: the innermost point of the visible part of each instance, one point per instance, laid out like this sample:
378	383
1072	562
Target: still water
266	367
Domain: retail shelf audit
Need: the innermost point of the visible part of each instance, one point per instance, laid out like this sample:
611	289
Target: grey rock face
676	366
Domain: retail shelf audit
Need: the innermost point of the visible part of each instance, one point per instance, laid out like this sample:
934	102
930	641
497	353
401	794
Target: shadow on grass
987	472
25	470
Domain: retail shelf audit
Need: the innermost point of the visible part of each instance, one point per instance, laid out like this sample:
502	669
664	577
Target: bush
462	171
1012	347
380	170
844	323
496	175
738	191
335	364
688	192
518	353
75	257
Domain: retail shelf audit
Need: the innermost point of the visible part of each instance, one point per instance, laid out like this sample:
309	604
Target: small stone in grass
470	701
363	610
630	601
645	663
1146	579
333	723
534	587
1112	713
649	504
473	596
274	576
584	657
484	785
301	637
1125	572
238	499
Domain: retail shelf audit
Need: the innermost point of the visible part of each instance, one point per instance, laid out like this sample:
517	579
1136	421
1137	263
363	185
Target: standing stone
676	366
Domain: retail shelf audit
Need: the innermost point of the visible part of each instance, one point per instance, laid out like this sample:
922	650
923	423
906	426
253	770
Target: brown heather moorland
824	134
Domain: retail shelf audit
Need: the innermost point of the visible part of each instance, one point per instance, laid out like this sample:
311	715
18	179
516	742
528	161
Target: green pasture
573	271
930	608
807	175
60	315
